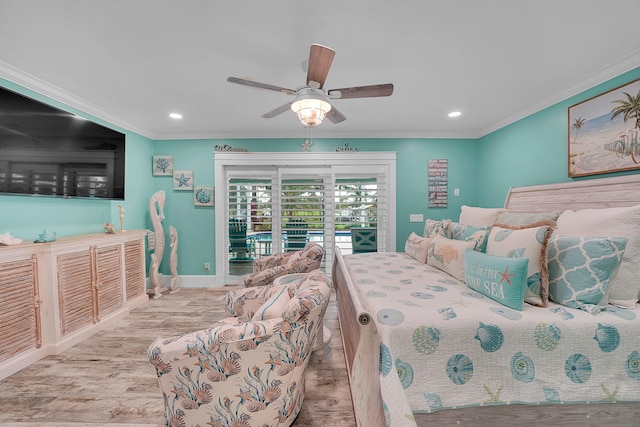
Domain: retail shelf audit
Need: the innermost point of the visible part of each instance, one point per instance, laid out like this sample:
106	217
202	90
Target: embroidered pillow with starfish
502	279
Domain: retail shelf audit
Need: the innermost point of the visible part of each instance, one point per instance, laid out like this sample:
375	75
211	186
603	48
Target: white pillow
416	247
614	222
448	255
479	216
525	242
274	306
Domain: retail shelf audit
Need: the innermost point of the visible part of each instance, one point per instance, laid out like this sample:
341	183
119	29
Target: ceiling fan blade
252	83
320	59
335	116
281	109
362	91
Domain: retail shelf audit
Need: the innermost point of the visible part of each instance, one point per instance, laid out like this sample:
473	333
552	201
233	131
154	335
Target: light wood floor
108	380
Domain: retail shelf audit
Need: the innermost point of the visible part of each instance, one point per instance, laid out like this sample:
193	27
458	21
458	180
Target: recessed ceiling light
455	114
175	115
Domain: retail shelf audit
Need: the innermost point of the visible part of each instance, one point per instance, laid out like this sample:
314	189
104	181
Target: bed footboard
360	340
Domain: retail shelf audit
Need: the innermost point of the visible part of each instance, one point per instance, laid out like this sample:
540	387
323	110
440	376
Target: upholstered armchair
248	369
268	268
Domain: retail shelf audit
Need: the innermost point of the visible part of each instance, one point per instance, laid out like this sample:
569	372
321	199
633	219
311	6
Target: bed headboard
617	191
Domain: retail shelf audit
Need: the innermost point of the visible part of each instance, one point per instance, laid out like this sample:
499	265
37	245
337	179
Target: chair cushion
273	307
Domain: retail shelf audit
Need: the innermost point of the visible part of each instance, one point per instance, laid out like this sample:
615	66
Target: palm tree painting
577	125
604	132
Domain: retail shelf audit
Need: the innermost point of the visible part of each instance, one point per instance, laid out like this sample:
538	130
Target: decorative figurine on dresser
156	241
173	259
121	211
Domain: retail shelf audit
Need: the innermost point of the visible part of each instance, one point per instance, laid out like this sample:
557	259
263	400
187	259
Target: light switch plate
416	218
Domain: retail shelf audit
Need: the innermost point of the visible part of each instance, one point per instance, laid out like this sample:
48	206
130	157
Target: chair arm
267	277
202	344
270	261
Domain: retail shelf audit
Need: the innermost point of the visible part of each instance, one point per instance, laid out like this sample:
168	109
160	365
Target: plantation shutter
362	200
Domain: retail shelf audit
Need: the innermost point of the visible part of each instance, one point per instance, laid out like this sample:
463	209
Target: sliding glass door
276	206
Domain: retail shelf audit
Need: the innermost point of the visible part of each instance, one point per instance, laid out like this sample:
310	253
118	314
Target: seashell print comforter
446	346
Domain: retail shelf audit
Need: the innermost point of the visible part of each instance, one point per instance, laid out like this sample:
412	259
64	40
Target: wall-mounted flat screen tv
50	152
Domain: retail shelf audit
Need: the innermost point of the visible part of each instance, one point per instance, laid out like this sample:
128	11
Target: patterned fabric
468	233
622	222
448	255
432	227
416	247
580	269
500	278
526	218
444	345
273	306
269	268
529	242
242	373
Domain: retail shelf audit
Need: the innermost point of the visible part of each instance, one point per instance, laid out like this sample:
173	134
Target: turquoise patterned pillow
500	278
580	269
468	233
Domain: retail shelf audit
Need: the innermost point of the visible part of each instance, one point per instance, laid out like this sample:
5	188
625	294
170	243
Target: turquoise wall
26	217
528	152
533	150
195	225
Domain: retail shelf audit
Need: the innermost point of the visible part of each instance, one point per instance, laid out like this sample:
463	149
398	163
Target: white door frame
309	160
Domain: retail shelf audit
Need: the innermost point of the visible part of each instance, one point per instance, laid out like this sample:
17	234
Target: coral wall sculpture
173	259
156	211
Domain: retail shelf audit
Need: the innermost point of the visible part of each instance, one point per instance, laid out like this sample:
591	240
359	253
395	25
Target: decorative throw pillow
274	306
526	218
477	234
448	255
580	270
433	227
625	222
528	242
416	247
500	278
479	216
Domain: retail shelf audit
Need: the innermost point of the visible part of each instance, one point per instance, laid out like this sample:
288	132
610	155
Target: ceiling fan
312	103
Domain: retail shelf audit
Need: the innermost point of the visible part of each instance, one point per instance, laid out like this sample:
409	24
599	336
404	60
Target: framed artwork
162	165
603	134
183	180
203	196
438	182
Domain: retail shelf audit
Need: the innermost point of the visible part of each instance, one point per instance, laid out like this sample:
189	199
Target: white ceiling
132	62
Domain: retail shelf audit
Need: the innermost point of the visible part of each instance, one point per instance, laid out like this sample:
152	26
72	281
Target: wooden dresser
54	295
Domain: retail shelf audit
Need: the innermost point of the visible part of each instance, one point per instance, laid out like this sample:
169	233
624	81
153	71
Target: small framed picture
203	196
162	165
183	180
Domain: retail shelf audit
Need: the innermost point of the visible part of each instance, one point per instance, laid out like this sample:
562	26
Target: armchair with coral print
268	268
248	369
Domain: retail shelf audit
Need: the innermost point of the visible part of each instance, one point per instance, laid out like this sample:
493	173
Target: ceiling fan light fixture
310	110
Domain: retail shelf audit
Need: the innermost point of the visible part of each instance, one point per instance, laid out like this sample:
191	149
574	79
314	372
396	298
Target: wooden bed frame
362	347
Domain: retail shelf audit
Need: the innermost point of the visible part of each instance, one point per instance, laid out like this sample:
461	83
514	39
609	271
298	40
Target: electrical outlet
456	191
416	218
207	266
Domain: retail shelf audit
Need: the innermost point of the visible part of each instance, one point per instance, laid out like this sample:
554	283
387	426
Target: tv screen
50	152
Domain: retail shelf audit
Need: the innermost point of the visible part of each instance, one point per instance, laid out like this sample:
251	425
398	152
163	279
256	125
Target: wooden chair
238	242
296	234
364	239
